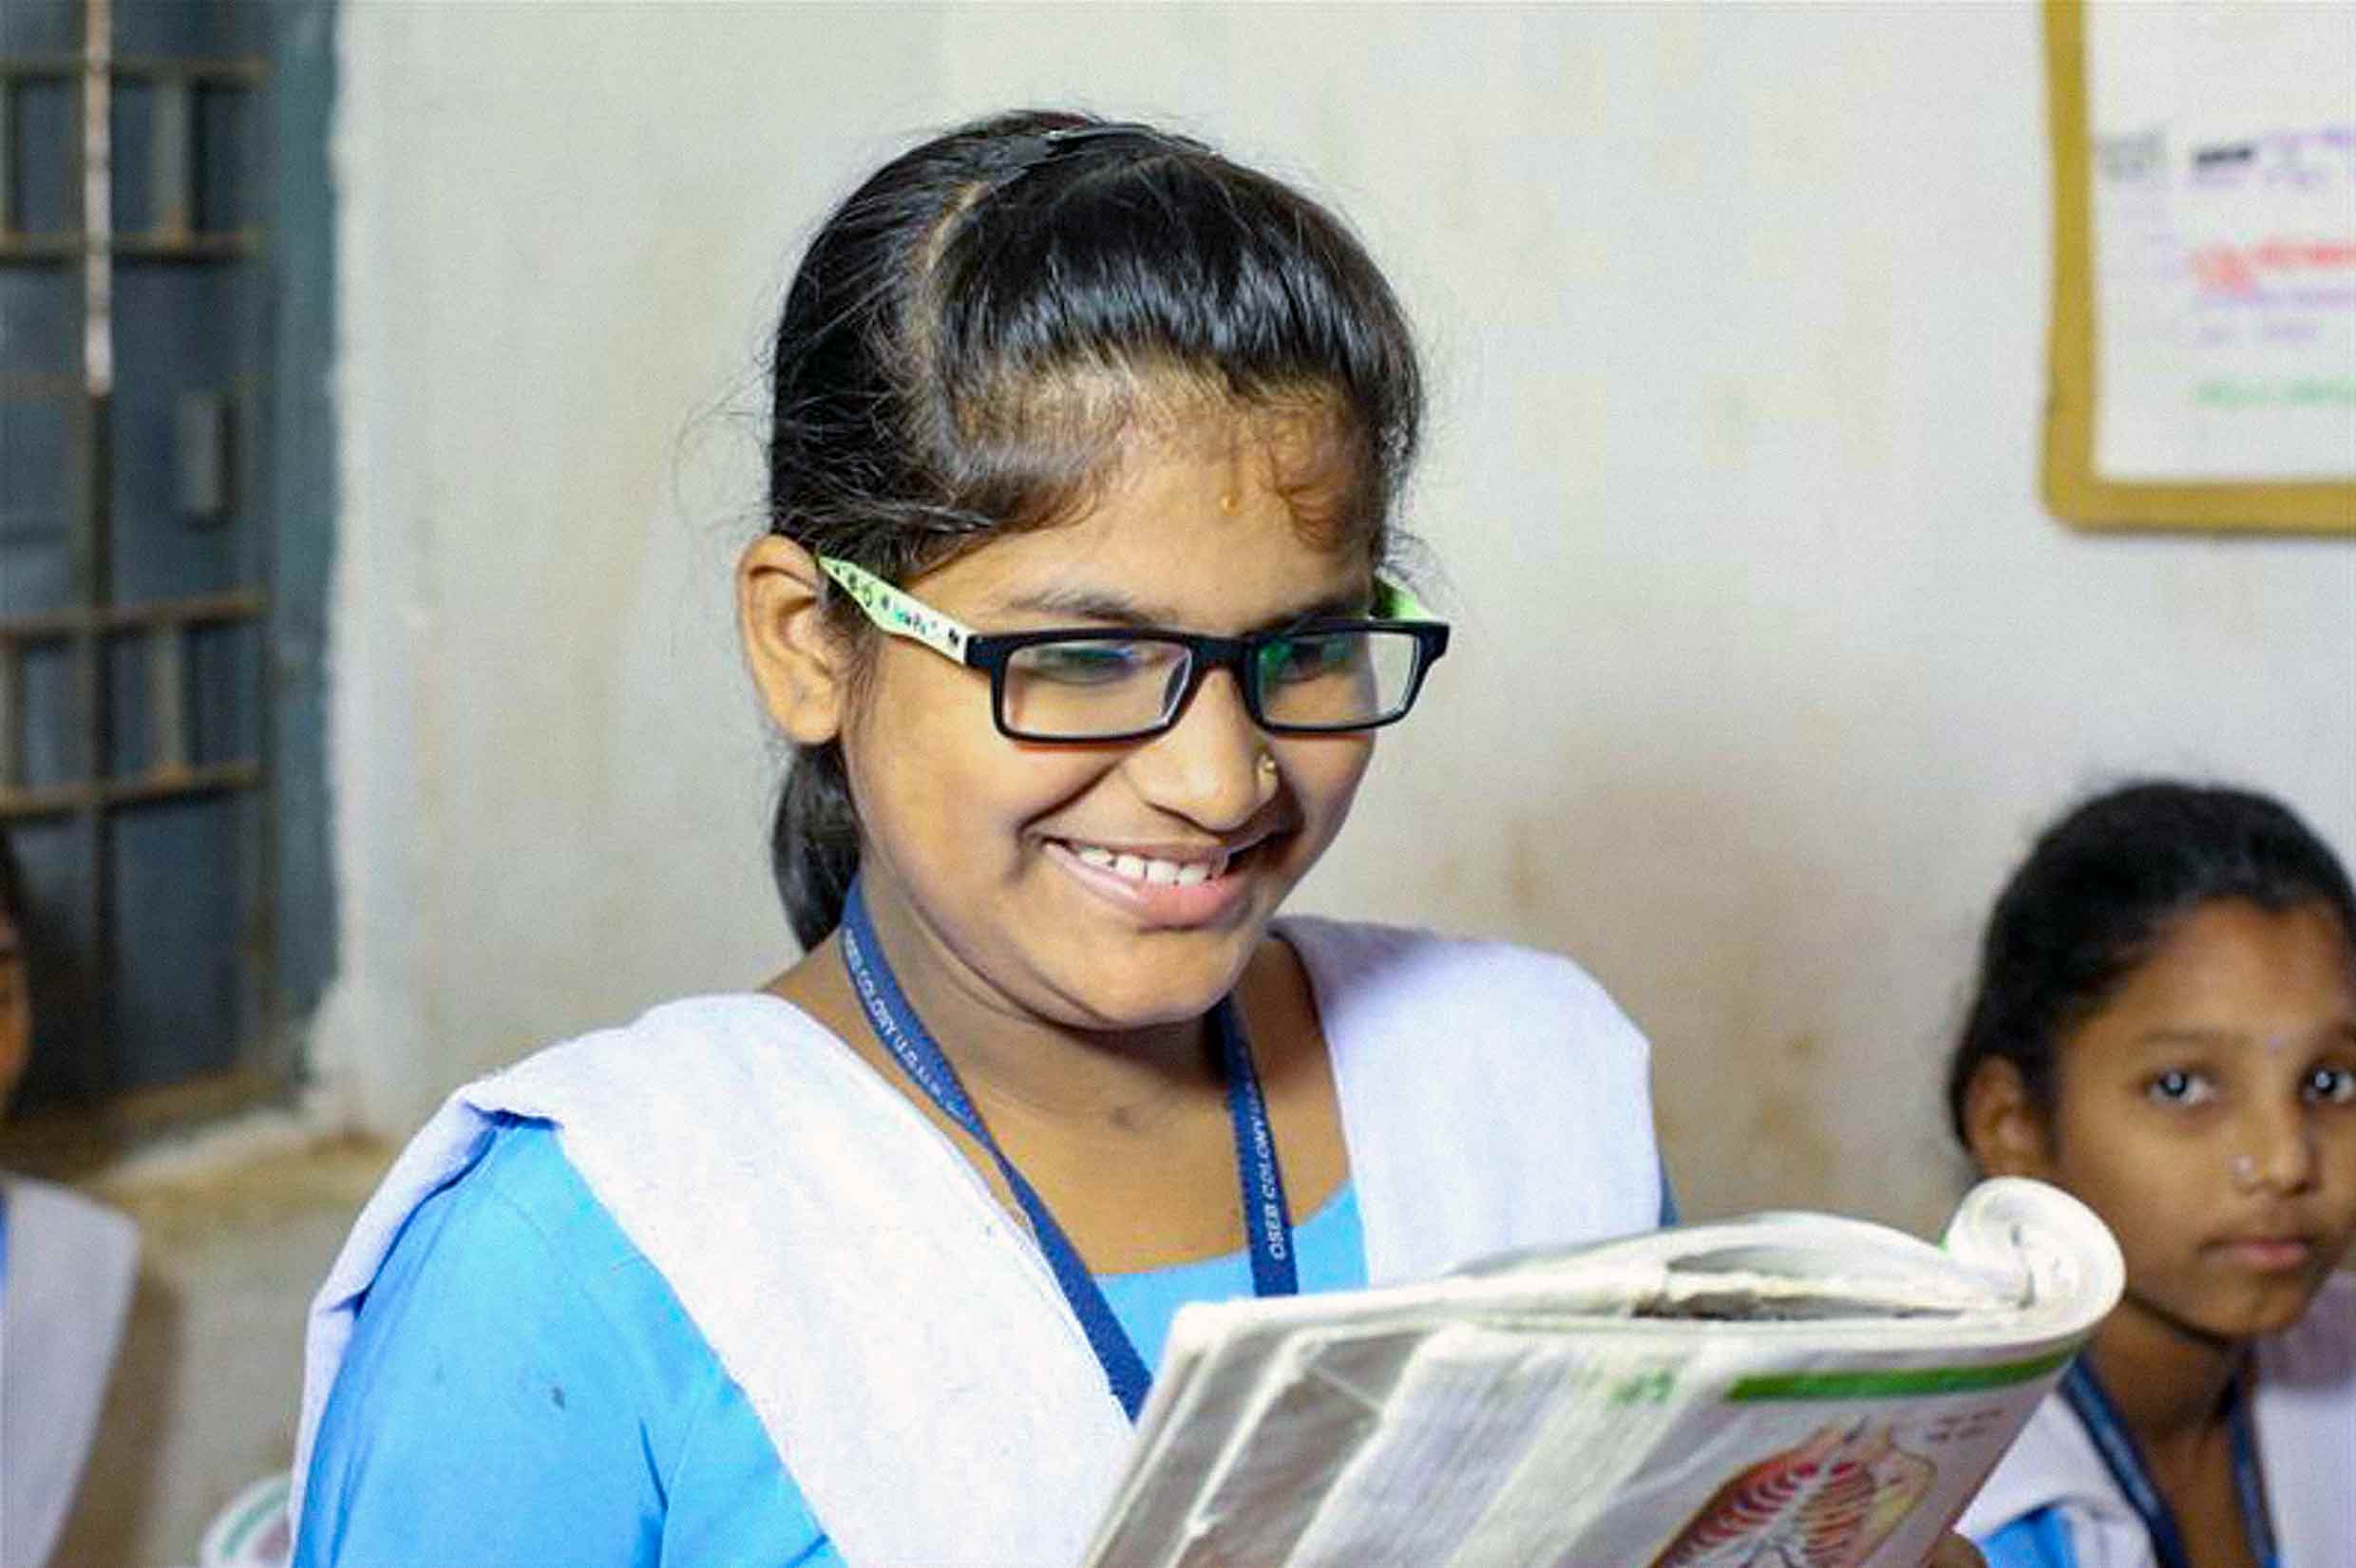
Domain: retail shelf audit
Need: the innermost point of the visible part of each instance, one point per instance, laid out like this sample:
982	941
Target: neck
2168	1380
1010	1059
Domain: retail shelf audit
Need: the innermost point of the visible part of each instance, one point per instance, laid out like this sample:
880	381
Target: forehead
1202	521
2235	971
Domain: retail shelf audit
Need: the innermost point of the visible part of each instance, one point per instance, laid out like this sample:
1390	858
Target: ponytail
813	845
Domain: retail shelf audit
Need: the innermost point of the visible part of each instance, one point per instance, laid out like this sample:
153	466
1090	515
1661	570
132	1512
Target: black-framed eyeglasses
1323	676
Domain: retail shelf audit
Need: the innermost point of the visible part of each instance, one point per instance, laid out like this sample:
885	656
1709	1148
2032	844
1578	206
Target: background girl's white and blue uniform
67	1266
2053	1502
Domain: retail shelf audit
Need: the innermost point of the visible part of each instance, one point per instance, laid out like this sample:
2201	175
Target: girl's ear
2002	1125
801	667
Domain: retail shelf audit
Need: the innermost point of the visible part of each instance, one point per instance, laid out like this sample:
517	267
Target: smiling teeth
1139	868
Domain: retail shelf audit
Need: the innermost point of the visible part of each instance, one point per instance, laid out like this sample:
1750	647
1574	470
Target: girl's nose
1207	767
2280	1145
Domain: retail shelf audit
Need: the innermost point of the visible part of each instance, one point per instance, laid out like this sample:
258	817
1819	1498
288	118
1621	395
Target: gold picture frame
2072	487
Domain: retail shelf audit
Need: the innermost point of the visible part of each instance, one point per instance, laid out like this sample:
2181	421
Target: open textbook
1790	1391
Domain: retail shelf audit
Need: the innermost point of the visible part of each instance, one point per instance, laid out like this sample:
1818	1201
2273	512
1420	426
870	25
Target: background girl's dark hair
2102	887
971	332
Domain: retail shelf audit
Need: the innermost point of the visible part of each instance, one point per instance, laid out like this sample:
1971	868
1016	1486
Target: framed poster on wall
2203	339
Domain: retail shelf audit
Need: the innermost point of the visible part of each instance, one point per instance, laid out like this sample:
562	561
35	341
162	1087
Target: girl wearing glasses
1085	452
2166	1027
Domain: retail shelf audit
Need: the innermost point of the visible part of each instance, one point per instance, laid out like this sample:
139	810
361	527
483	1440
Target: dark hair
2101	888
12	905
974	330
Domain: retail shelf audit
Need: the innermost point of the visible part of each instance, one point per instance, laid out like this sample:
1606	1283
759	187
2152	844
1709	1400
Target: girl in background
2165	1027
66	1270
1078	602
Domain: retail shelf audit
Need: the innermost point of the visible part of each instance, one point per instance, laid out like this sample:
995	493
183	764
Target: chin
2263	1309
1153	989
1158	1000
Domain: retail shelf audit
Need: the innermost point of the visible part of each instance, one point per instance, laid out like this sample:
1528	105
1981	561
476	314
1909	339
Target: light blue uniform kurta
2039	1541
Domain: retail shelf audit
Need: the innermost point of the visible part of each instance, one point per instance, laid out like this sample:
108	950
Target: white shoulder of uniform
71	1267
1492	1096
2306	1420
805	1214
48	1209
689	1050
2052	1462
2053	1465
2304	1411
2319	1350
1359	968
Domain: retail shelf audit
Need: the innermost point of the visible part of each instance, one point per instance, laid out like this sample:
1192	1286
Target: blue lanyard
1265	1217
2125	1461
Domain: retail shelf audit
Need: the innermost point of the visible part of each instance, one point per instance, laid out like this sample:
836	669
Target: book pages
1799	1389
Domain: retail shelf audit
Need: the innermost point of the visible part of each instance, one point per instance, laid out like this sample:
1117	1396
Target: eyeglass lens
1077	688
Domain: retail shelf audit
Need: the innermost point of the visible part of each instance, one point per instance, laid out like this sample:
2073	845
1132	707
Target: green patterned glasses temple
1327	675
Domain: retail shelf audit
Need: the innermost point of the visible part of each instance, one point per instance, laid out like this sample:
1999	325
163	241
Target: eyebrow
1120	610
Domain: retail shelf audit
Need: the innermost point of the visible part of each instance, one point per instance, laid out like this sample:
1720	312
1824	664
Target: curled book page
1799	1390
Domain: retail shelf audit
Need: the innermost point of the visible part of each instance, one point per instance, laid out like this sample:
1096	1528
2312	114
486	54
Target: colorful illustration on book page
1829	1503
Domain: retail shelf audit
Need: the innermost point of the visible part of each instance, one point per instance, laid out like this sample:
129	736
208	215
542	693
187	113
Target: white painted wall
1768	659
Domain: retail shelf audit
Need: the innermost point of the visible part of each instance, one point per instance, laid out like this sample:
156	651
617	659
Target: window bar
8	158
168	728
92	545
174	214
98	348
11	716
